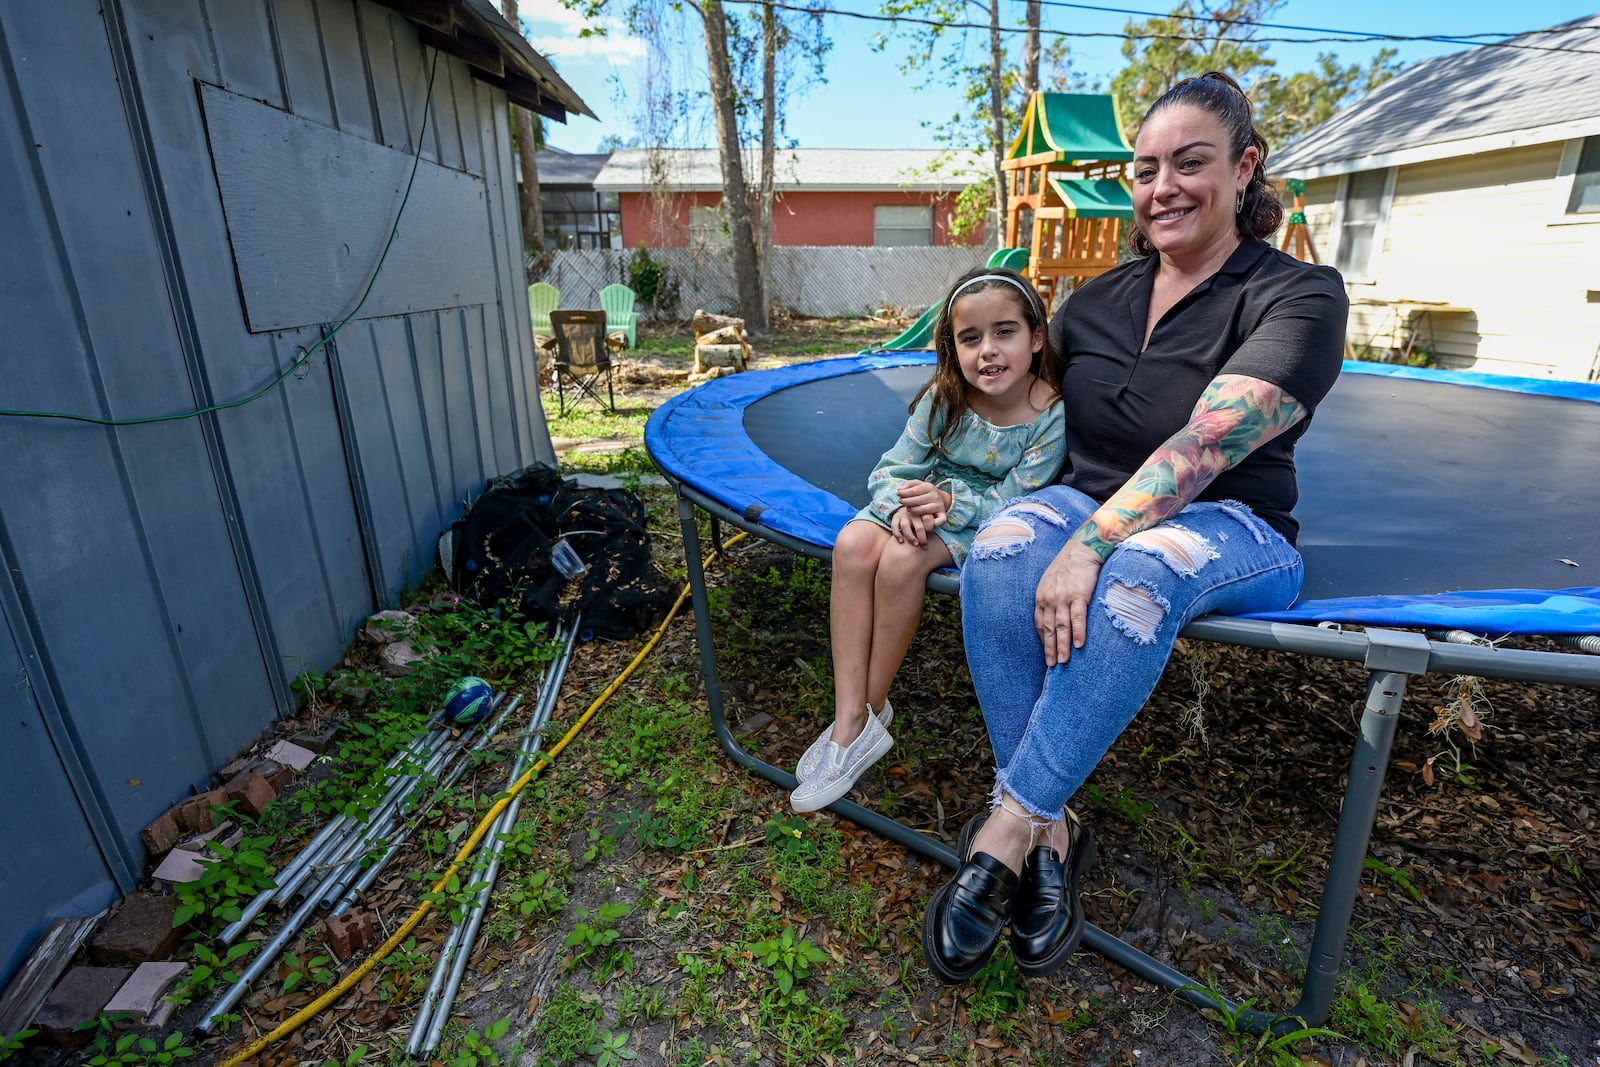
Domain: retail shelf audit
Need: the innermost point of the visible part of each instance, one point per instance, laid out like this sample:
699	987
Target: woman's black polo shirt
1264	314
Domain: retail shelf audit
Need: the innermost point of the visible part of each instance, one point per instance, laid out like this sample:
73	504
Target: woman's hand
926	501
1061	605
908	527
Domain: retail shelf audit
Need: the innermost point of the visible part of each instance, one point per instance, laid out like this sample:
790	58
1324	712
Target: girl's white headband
1028	294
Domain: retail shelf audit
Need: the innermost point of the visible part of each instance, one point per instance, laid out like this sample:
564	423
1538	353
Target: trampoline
1445	502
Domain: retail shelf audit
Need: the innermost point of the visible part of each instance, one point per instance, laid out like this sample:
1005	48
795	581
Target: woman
1190	374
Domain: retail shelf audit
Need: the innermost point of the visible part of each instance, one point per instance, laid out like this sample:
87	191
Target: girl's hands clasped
926	501
1061	605
909	527
923	506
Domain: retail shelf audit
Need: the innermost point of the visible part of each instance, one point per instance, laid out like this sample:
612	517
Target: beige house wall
1488	233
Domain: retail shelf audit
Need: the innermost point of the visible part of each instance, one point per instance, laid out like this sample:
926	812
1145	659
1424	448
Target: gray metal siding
164	582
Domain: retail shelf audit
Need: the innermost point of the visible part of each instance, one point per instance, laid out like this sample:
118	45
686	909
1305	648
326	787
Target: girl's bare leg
903	571
851	609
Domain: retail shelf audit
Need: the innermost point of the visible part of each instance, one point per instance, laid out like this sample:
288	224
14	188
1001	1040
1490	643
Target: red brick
140	931
160	835
276	774
78	998
251	793
346	932
196	814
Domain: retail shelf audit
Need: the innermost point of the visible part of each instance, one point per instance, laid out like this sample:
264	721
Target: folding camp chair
542	299
581	356
618	301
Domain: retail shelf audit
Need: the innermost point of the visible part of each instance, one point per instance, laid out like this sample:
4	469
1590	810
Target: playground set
1067	194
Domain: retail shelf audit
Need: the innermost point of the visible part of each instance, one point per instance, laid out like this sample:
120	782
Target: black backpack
500	554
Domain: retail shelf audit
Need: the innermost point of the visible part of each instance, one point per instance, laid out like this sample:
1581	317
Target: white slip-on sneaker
839	768
813	755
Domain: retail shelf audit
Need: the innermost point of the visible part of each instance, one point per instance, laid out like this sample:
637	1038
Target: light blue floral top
982	467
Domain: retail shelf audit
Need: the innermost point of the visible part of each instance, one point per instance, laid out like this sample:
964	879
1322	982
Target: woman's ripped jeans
1050	727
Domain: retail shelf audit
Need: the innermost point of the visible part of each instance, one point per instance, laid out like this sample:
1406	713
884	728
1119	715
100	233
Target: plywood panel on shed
310	211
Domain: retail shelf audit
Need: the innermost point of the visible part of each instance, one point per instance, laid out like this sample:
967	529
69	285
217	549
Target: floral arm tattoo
1233	417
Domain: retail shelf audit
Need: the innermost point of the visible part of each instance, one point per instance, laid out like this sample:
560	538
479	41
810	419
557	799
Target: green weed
1391	1027
474	1049
534	896
788	960
699	996
595	939
685	808
639	1002
208	971
132	1050
295	971
997	991
401	969
568	1025
611	1048
1136	813
227	882
1274	1046
11	1044
1399	877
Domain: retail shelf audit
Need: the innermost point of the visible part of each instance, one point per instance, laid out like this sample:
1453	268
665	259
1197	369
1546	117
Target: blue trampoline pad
1428	499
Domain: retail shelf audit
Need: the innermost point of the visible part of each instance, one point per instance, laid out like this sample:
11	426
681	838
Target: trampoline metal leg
1368	762
1385	691
915	840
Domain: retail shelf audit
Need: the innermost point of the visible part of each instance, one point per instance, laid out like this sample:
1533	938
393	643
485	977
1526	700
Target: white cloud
553	30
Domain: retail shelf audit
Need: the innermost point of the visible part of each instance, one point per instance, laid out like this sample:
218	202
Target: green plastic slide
920	334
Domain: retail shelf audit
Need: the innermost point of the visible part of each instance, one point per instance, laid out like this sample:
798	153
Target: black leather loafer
966	916
1047	915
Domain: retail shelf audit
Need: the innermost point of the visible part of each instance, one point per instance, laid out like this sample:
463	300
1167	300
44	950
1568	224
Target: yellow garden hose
332	995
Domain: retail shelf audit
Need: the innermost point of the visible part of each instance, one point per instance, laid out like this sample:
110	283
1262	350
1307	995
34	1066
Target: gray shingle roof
570	168
802	168
1470	101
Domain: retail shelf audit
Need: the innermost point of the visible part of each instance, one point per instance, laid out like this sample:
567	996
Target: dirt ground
1473	941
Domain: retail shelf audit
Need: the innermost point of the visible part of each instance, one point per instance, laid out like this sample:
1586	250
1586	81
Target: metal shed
196	194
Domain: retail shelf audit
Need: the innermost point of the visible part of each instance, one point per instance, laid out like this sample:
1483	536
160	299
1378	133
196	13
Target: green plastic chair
618	301
543	299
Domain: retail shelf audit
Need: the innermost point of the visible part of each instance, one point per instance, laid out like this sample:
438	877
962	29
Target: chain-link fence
820	281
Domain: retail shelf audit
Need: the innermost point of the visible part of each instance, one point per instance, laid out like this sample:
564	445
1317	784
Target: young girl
987	427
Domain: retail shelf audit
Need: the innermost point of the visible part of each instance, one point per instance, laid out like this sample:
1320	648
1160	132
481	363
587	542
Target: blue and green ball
468	701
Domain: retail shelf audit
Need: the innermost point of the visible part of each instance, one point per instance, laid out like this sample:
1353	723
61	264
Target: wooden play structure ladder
1296	232
1065	182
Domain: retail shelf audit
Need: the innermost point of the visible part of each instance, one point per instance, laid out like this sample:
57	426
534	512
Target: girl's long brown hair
949	387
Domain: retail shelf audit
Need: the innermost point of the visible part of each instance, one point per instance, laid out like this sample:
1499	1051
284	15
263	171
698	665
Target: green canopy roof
1077	127
1094	198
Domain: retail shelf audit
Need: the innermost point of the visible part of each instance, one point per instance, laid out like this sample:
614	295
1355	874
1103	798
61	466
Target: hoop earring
1238	207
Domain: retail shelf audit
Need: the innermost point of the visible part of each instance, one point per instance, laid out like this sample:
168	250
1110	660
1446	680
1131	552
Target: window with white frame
1362	210
708	227
902	224
1585	196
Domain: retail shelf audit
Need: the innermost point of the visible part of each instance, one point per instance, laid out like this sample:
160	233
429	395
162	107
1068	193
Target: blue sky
867	103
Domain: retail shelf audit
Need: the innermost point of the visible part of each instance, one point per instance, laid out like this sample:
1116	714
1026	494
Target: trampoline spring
1461	637
1586	642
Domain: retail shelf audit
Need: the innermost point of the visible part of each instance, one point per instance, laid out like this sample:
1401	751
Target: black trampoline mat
1407	487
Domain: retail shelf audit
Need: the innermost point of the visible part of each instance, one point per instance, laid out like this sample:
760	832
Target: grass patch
587	421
